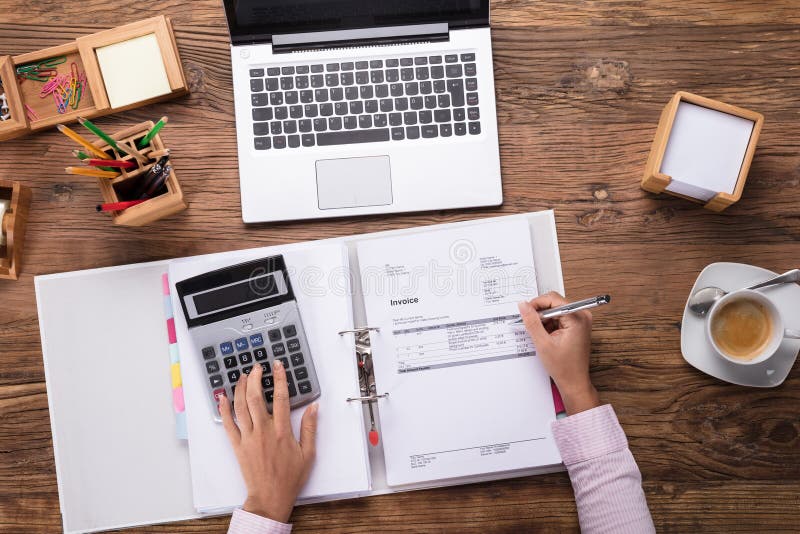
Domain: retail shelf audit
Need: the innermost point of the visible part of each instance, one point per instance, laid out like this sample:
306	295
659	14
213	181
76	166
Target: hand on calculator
274	464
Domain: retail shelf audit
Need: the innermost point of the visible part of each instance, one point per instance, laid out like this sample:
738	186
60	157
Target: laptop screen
258	20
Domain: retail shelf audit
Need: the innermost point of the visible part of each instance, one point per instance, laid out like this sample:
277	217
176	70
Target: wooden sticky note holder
13	223
94	100
656	182
117	189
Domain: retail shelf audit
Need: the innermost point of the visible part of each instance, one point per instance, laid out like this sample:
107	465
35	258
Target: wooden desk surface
580	87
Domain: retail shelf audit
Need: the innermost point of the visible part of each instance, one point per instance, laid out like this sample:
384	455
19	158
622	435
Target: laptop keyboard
340	103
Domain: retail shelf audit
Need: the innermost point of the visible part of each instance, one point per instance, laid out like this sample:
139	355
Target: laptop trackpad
354	182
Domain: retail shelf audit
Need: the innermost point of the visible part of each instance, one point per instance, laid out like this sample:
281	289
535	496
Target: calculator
247	315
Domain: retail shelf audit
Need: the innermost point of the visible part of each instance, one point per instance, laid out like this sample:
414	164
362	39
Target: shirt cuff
243	522
587	435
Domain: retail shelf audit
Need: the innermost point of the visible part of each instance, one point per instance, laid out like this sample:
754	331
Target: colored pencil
83	156
83	142
88	171
118	206
119	146
143	142
110	163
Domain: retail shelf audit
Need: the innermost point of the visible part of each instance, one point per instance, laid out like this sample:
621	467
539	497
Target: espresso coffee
742	328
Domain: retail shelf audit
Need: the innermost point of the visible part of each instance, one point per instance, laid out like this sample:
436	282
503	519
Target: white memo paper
133	70
705	151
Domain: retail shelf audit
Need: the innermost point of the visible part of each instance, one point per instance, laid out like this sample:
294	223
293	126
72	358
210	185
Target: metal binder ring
360	329
370	398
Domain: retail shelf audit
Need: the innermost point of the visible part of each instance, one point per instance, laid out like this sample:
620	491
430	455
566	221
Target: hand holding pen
563	345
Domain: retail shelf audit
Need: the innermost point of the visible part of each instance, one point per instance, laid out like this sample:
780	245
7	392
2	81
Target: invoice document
466	393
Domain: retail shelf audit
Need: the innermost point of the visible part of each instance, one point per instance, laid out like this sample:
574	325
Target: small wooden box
45	108
13	223
94	100
656	181
115	189
17	124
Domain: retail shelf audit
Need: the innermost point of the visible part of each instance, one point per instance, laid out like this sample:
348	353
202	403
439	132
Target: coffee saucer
697	350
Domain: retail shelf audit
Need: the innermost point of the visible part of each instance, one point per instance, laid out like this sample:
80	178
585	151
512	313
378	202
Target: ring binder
360	329
366	378
369	398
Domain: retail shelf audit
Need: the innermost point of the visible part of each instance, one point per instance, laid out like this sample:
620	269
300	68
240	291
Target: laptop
350	108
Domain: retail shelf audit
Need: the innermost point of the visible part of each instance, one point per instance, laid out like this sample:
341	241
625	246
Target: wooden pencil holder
118	189
32	112
656	180
14	222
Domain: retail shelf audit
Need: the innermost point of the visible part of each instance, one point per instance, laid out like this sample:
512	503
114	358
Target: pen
566	309
160	180
146	181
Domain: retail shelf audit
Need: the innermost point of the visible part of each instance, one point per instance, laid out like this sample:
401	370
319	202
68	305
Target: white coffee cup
777	334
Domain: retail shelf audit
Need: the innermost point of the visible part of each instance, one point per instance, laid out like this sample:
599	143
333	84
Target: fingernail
314	408
522	306
278	364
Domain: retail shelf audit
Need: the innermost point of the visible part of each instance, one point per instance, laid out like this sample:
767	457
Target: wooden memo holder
117	189
13	224
656	182
24	94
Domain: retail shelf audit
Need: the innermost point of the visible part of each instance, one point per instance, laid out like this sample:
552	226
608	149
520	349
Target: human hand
563	344
273	463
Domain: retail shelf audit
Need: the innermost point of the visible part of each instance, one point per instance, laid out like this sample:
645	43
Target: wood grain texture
580	87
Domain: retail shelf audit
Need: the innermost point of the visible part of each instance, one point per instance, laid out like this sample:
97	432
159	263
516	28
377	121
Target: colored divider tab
176	375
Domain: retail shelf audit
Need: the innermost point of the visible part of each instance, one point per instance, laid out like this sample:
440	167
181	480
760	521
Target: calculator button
260	354
301	373
293	345
218	394
241	343
216	381
208	353
274	335
246	370
278	349
265	368
289	331
226	348
304	387
212	367
292	390
233	376
267	381
245	358
268	395
230	361
285	362
256	340
297	359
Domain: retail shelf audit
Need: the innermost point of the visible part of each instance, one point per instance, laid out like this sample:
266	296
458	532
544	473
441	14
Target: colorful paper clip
41	71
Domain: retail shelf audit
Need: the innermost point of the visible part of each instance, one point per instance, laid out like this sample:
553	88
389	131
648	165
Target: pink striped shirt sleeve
604	475
246	523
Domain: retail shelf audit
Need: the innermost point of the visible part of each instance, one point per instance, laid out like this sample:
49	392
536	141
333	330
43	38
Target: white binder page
467	395
319	276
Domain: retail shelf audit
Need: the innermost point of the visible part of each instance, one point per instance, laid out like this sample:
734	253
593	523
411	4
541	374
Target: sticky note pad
705	151
133	70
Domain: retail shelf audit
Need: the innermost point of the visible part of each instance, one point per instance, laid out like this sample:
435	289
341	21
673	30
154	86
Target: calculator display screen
235	295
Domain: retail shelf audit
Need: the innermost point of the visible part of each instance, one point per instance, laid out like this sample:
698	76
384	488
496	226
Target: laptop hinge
292	42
